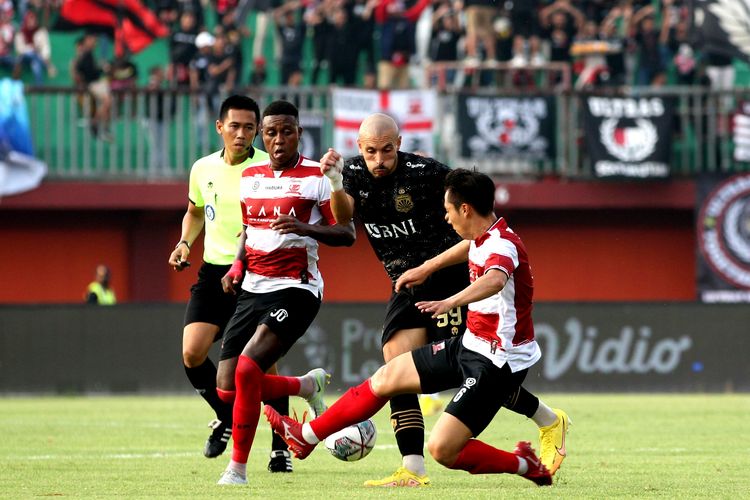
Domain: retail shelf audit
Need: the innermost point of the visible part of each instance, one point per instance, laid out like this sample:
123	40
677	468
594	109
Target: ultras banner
507	127
723	237
628	137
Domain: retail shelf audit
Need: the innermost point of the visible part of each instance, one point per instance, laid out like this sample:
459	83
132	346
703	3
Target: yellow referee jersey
215	187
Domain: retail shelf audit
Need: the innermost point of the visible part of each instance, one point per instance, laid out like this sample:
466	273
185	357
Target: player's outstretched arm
342	205
417	275
336	235
485	286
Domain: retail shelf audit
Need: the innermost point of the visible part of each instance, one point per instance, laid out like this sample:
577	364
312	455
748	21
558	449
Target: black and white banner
507	127
311	140
723	227
722	27
628	137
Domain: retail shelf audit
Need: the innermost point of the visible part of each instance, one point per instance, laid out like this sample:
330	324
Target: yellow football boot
552	442
403	477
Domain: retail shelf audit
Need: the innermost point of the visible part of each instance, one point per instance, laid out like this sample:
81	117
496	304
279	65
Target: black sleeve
350	177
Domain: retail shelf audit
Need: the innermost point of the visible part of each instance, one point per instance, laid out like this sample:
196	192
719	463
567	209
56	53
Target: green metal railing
62	136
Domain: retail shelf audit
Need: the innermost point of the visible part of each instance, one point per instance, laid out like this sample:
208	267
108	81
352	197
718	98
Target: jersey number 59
452	317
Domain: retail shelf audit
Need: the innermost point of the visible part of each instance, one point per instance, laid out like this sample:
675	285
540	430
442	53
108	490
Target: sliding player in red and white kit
487	363
285	204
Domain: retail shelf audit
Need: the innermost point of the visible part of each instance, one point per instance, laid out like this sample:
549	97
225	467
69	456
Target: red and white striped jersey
500	327
276	261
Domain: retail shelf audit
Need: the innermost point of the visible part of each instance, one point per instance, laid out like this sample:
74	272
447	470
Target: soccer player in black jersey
397	196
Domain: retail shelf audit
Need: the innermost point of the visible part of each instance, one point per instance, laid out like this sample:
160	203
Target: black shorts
288	313
483	387
208	303
401	313
525	23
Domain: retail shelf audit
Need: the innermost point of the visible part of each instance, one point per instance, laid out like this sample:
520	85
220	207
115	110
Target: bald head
378	125
378	143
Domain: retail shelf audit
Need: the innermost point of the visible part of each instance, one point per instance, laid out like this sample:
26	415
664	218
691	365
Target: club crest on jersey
210	212
403	201
294	190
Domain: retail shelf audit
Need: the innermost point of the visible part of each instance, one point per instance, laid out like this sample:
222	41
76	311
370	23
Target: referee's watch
181	242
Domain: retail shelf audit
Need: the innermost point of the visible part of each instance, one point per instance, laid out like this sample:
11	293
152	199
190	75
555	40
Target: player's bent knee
381	382
193	359
225	375
442	451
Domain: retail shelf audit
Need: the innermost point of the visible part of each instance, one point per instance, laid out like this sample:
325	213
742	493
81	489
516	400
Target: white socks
308	434
523	466
237	467
414	463
544	416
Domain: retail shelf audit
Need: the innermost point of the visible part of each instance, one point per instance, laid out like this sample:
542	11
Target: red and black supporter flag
130	23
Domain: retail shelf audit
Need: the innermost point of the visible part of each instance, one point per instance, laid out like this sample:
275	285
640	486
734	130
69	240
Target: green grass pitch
620	446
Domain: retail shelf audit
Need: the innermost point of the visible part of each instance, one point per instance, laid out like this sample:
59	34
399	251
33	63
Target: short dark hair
281	108
237	101
471	187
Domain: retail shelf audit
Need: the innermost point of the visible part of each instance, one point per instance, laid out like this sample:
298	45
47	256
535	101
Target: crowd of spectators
379	43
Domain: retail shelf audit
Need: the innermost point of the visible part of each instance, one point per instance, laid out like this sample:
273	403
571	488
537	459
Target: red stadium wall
591	246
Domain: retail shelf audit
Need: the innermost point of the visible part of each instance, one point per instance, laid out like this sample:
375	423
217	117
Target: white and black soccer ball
354	442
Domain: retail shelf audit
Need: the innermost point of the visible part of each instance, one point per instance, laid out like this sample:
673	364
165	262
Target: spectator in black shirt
233	35
615	73
649	40
88	74
194	6
526	30
562	22
316	16
292	30
446	32
221	72
342	53
182	50
682	54
363	26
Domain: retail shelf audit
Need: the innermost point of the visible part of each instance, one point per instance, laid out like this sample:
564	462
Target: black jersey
403	212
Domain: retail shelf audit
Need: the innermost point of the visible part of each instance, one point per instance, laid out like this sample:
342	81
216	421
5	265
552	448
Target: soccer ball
354	442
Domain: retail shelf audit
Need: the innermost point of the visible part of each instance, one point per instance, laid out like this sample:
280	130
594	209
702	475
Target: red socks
248	379
478	457
277	386
357	404
252	387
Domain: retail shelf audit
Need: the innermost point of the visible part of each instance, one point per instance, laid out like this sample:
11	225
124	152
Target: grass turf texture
632	446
